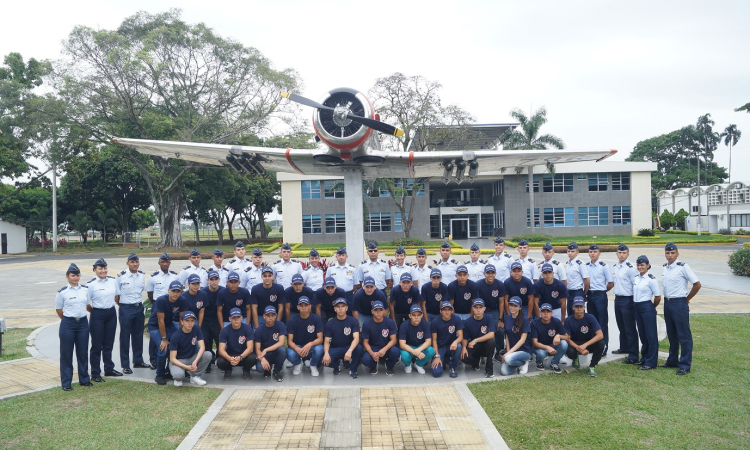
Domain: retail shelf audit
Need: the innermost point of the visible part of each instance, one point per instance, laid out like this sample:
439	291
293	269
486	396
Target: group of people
247	314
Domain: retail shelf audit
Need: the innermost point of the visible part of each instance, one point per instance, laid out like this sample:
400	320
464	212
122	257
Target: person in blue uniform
210	325
422	270
578	276
345	276
548	251
379	341
376	268
596	299
162	323
195	298
234	296
586	336
365	298
501	260
286	267
528	264
447	334
517	330
401	267
313	275
252	273
156	286
548	337
194	268
341	340
475	265
102	291
325	296
447	265
270	338
675	278
187	353
218	265
131	284
403	297
552	291
624	277
305	332
70	305
462	291
236	347
646	297
415	341
266	294
520	286
433	294
492	291
293	293
478	339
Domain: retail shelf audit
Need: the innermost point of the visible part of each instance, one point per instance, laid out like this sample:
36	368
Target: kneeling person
548	337
270	338
479	339
415	340
187	352
236	347
447	333
586	336
342	340
379	336
305	338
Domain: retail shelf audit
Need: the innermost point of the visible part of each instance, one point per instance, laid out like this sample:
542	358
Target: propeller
374	124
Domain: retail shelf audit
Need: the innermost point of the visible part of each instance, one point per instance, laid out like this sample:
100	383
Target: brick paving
28	375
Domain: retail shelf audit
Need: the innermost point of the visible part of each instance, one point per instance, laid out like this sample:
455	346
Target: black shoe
168	376
98	379
640	363
644	367
373	371
227	375
127	370
453	372
390	372
475	368
540	366
67	388
336	370
88	384
629	361
353	374
683	371
161	381
277	376
604	353
667	366
246	375
266	374
113	373
618	352
489	374
498	357
144	366
208	369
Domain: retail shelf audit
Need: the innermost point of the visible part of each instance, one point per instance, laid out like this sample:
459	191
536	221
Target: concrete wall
16	236
291	197
640	201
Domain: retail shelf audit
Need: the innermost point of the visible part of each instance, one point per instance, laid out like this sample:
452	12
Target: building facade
580	199
12	237
710	208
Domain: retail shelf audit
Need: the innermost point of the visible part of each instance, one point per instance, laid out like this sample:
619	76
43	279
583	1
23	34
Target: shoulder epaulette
579	261
588	263
139	271
224	268
453	261
651	276
507	255
293	260
666	264
383	261
364	262
83	286
628	264
481	261
530	260
155	273
277	262
249	269
429	267
602	263
62	289
121	273
555	262
232	260
186	268
679	263
307	268
173	272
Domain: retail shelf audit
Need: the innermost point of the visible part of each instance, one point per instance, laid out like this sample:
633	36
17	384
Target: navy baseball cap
445	245
643	259
304	300
266	269
421	251
670	247
233	276
516	265
436	273
235	312
499	240
406	276
400	250
369	281
314	252
286	246
446	304
188	314
547	267
545	307
297	278
213	274
133	257
462	268
269	310
593	247
477	301
622	248
218	252
523	242
474	247
239	244
489	268
175	286
547	247
257	252
515	300
341	251
579	301
193	278
377	305
330	281
100	263
195	252
164	257
72	268
339	300
415	308
573	246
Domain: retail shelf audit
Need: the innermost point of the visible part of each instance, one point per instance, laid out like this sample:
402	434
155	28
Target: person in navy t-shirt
479	339
403	297
341	340
305	331
293	293
267	294
433	294
187	352
586	336
379	339
415	341
519	286
548	337
161	325
552	291
210	325
462	291
492	291
195	298
236	347
325	296
517	329
447	334
270	338
366	297
233	296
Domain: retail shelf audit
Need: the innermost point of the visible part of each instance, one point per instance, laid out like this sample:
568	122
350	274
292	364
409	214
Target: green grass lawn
626	408
115	414
14	344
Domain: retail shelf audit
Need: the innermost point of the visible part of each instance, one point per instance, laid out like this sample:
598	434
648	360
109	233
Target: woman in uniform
70	304
646	288
101	293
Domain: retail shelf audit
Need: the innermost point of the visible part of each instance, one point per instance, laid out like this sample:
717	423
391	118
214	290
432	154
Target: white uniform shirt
72	301
645	288
623	276
576	271
378	270
101	292
313	277
599	275
191	269
529	268
158	282
346	276
251	277
285	271
557	269
448	269
131	286
423	274
502	265
675	277
397	271
476	270
223	274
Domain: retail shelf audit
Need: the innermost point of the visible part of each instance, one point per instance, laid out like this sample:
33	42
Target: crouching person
479	339
447	333
270	338
341	340
187	352
516	326
305	331
415	341
236	347
586	336
548	338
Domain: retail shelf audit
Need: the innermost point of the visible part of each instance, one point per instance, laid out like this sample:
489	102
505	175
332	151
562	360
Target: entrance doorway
460	228
4	240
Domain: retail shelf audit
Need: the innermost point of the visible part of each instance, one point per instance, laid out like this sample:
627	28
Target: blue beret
499	240
369	281
547	267
314	252
303	300
579	301
339	300
164	257
297	278
239	244
622	248
516	265
445	245
477	302
406	276
195	252
286	246
341	251
377	305
547	247
188	314
436	273
193	278
72	268
330	281
133	257
400	250
235	312
573	246
593	247
269	310
218	252
446	304
523	242
474	247
372	245
415	308
545	307
670	247
257	252
266	269
462	268
643	259
233	276
489	268
421	251
515	300
175	286
100	263
213	274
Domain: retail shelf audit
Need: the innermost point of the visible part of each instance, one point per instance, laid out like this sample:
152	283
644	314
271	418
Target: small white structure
12	237
719	206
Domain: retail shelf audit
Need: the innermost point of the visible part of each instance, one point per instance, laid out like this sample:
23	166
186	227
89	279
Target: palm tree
80	222
104	220
527	137
731	135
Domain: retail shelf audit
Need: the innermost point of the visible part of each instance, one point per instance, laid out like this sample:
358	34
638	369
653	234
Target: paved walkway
28	375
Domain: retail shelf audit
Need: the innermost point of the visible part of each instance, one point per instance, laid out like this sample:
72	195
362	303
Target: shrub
645	232
692	233
62	242
739	262
666	219
741	232
406	242
679	218
532	237
725	231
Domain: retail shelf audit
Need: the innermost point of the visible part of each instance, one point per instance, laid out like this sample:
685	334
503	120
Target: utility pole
54	209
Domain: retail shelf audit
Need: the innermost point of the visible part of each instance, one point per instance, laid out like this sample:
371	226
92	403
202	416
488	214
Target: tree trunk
262	226
169	209
219	227
243	224
230	225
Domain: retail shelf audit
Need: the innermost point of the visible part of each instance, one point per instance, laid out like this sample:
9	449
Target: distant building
710	204
12	237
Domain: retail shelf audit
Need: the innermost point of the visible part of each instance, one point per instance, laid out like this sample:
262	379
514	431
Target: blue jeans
625	317
514	360
407	357
677	318
447	357
337	354
102	327
463	316
74	333
645	319
362	319
597	306
431	316
276	358
391	358
161	355
315	356
131	333
561	348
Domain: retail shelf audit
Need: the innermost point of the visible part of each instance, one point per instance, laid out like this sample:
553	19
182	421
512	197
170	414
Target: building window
488	224
562	182
536	218
581	176
311	224
335	223
597	182
435	226
621	181
397	184
593	216
497	188
333	188
397	224
621	215
310	189
559	217
536	183
377	222
739	220
500	219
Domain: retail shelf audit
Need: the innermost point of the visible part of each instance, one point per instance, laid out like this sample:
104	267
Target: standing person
548	252
520	286
313	274
194	268
415	341
675	277
210	326
492	291
162	323
586	336
218	260
501	260
239	263
624	277
267	294
462	291
433	294
286	267
345	276
422	270
270	338
447	265
305	339
646	289
478	340
517	331
377	269
403	297
601	282
401	267
70	304
552	291
341	340
528	264
236	347
447	335
297	290
475	265
325	297
233	296
187	352
253	272
365	298
156	286
548	337
379	339
578	276
131	284
195	298
101	292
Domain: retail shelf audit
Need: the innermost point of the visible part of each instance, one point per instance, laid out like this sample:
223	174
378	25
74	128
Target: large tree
731	135
157	77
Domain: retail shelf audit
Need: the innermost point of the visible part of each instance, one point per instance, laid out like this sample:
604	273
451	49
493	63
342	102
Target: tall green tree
745	107
30	205
731	136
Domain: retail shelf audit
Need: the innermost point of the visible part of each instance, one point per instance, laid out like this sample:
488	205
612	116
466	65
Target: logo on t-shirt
554	294
438	297
523	290
584	330
420	334
195	339
495	293
272	298
467	296
238	302
551	333
242	339
199	305
275	336
311	328
484	329
408	300
385	332
451	329
347	331
175	309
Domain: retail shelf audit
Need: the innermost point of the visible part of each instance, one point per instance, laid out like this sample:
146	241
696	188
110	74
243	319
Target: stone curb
203	423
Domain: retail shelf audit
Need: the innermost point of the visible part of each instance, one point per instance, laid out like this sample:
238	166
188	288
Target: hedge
692	233
306	254
272	247
739	262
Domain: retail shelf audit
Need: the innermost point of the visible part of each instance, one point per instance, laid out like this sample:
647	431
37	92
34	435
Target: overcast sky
610	73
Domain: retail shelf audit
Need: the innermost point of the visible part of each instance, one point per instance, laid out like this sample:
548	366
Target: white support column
355	226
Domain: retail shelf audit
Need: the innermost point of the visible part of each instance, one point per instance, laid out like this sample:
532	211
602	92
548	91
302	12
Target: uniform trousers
391	358
677	318
483	349
645	318
401	318
595	350
102	328
315	355
131	333
178	373
449	357
625	317
74	333
337	354
276	358
161	355
597	306
247	363
211	331
572	294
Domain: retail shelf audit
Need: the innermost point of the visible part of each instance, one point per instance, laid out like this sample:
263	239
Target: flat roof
480	136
